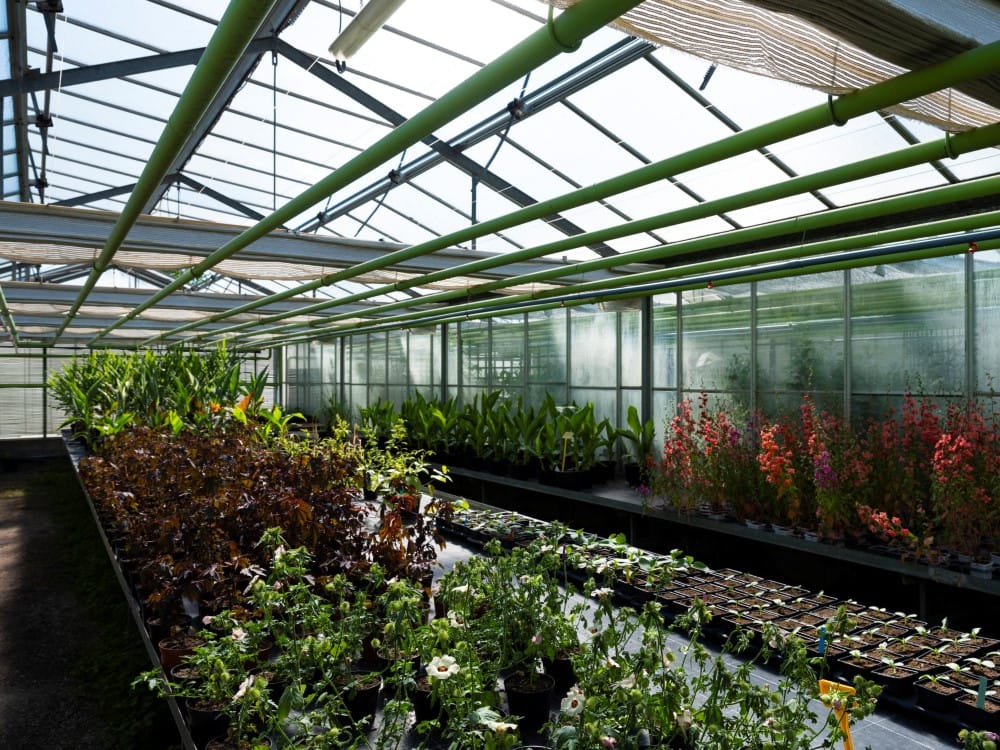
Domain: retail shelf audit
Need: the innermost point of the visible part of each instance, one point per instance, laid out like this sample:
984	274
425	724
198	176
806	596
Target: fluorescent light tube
369	20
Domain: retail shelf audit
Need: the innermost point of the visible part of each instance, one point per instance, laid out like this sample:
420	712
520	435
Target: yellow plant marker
826	686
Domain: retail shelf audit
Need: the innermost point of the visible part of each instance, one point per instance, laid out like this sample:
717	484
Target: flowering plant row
922	479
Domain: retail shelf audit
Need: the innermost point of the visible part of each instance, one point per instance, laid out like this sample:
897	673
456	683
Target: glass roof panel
614	122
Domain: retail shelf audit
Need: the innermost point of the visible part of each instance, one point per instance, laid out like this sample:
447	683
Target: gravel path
68	646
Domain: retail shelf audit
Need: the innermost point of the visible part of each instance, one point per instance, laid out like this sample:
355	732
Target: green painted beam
954	146
8	319
236	29
800	251
971	64
565	32
749	276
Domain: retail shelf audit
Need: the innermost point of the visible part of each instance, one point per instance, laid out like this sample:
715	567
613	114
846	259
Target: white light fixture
370	19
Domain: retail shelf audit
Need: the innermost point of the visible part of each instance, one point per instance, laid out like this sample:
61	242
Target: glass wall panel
376	367
454	375
594	347
421	364
908	327
604	400
664	341
986	267
547	355
800	342
630	322
508	355
398	352
664	408
716	338
475	357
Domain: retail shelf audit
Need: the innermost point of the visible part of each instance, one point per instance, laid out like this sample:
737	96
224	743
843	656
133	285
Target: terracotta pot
174	648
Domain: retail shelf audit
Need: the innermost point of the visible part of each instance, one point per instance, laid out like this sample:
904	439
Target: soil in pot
205	720
174	648
938	697
528	696
987	717
360	692
896	681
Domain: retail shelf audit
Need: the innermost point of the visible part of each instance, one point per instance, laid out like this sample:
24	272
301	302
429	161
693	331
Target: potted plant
640	437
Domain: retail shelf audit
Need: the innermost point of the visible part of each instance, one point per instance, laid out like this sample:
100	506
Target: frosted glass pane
664	408
631	349
359	361
908	327
508	356
800	342
987	286
475	355
398	369
717	340
453	373
604	401
376	359
595	338
547	347
421	371
665	341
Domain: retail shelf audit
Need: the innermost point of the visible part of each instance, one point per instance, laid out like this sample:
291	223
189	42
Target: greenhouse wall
28	411
855	340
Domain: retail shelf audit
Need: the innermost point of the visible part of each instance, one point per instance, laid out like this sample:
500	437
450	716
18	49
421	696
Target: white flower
684	719
207	620
244	686
442	667
537	639
626	684
603	593
572	704
500	727
463	589
456	619
239	635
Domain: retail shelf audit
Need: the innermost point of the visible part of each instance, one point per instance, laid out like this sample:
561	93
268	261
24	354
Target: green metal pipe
565	31
236	29
971	64
954	146
8	319
897	257
706	268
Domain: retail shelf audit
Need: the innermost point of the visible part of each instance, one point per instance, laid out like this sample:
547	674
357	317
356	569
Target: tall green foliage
104	392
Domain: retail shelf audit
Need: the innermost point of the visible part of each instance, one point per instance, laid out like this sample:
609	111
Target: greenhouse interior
499	374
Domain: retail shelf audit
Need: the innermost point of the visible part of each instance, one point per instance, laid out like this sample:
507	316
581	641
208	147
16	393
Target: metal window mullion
619	385
970	326
753	346
679	348
45	393
569	355
848	382
646	357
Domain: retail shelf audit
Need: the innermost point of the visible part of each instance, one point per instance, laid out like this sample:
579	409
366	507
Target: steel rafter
283	13
613	58
444	150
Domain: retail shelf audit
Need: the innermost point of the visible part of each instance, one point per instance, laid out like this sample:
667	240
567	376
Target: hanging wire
516	113
274	130
381	198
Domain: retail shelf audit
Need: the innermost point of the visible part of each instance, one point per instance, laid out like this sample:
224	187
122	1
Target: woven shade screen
25	252
744	36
